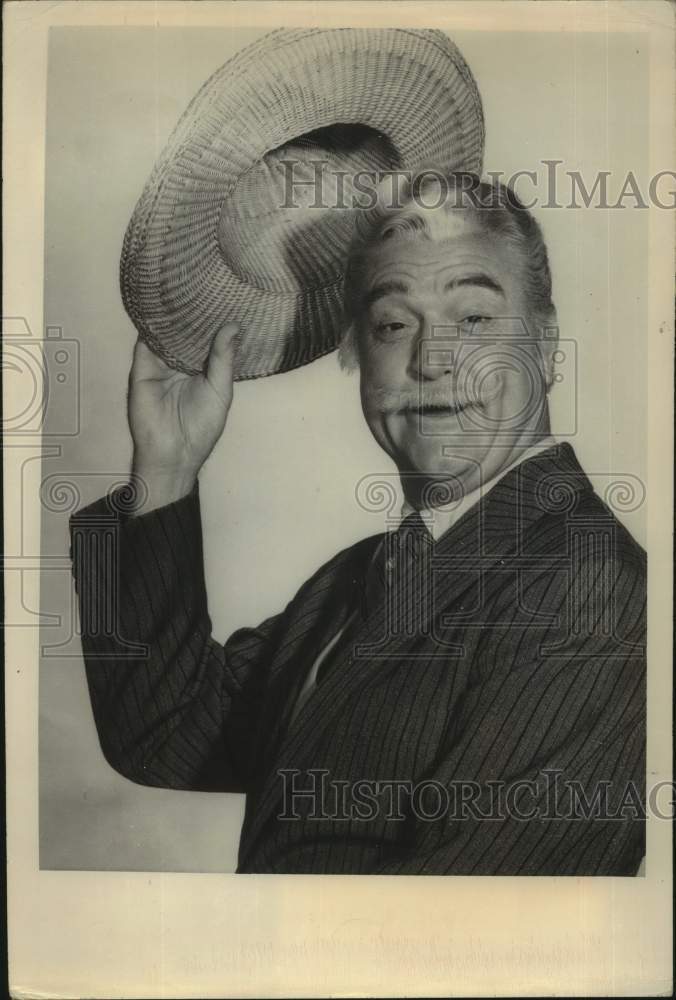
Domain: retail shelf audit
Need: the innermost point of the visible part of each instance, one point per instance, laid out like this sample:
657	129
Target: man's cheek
491	389
375	381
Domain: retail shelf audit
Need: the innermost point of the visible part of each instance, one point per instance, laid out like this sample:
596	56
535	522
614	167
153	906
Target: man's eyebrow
385	288
390	287
478	281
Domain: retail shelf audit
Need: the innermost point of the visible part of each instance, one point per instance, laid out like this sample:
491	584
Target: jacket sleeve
561	788
173	707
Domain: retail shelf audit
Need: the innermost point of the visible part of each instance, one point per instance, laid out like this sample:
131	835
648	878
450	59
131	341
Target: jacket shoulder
591	530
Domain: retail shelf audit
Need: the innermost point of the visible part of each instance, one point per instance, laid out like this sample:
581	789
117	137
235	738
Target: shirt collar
438	520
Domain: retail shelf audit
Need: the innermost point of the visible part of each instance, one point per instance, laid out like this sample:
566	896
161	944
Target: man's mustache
388	400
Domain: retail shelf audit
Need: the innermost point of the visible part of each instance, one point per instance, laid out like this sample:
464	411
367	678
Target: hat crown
286	223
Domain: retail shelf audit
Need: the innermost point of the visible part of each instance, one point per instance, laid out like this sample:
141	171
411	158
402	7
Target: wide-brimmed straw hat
229	225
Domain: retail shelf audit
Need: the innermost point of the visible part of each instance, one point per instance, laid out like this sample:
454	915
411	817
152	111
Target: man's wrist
155	488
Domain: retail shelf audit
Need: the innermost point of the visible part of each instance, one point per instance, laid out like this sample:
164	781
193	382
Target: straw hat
219	234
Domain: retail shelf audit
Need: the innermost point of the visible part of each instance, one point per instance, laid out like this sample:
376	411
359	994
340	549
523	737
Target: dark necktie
398	580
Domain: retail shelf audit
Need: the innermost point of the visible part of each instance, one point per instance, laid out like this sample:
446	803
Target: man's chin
441	478
437	460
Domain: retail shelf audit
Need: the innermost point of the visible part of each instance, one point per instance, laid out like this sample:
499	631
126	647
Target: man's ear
348	354
549	341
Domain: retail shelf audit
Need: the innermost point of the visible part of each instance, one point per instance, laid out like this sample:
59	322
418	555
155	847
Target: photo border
136	934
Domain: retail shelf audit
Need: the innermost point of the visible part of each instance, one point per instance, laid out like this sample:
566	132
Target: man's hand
176	419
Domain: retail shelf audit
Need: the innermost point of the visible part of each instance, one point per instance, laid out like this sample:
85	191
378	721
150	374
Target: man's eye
475	321
390	331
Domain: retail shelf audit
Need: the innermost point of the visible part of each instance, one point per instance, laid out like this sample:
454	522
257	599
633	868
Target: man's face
452	366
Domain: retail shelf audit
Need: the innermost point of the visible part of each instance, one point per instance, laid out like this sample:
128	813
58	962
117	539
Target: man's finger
146	364
219	365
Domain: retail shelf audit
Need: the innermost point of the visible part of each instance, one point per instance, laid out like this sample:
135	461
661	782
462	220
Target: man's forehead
396	265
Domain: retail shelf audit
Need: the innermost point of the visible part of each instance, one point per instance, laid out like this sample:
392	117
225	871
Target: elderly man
462	695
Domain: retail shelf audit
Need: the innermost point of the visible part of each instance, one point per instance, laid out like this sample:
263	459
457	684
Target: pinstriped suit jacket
505	734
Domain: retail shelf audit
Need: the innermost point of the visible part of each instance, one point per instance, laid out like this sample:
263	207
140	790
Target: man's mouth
443	409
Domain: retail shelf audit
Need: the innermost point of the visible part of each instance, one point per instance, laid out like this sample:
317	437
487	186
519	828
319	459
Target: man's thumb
219	364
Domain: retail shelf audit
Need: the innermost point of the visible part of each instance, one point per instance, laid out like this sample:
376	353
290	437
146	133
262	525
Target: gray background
278	491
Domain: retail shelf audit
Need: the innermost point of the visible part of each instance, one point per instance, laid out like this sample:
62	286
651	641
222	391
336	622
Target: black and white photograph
339	419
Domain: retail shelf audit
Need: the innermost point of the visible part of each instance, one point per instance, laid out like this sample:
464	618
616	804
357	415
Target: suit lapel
497	526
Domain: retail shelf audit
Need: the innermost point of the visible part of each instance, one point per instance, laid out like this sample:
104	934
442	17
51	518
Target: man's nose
433	354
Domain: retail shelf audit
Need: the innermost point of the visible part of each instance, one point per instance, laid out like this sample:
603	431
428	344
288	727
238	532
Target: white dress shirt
438	521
